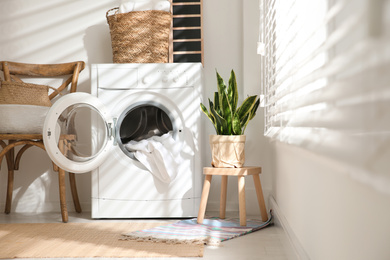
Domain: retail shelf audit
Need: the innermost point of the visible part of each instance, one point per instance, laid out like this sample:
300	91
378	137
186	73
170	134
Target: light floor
265	244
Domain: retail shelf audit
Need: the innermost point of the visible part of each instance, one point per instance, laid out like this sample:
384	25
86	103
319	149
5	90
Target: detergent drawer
114	77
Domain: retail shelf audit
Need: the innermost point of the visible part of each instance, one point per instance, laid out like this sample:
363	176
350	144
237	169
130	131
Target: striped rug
213	231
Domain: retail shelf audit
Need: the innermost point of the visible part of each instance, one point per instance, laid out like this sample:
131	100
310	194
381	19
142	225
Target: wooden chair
12	72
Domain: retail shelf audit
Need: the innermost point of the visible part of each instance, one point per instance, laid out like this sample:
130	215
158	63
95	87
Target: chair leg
61	182
222	204
203	200
73	188
10	188
10	183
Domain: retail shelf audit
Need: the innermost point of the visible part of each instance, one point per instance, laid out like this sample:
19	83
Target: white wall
38	31
331	215
330	211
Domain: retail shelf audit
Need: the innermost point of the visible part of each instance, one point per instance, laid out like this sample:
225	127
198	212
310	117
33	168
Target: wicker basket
139	36
24	94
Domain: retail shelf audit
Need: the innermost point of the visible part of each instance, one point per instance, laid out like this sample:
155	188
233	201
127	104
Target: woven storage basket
139	36
24	94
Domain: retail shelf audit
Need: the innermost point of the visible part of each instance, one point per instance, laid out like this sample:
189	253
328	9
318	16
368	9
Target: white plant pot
227	151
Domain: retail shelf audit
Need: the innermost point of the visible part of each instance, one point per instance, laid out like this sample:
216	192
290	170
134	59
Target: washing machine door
69	140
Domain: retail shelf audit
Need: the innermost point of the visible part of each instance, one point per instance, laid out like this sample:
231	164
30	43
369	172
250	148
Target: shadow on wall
97	43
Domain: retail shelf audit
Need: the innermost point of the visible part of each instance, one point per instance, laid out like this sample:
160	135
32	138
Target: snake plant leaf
254	109
211	117
225	109
221	84
221	91
220	122
250	115
232	91
246	106
236	124
220	81
244	122
204	109
228	114
217	106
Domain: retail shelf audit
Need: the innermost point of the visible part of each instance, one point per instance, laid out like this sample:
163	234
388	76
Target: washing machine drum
144	122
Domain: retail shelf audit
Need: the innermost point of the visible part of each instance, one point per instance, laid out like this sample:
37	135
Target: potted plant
230	122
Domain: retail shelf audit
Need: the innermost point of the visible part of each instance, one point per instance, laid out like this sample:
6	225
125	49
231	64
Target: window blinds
326	80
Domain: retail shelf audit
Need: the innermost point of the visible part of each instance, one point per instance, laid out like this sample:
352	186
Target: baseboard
46	207
293	247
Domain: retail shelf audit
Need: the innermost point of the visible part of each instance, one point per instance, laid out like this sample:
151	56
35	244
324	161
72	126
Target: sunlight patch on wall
37	31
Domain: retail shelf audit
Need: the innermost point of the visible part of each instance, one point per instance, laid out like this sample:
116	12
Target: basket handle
116	10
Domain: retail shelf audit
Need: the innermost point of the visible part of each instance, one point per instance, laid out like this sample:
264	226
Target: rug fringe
197	241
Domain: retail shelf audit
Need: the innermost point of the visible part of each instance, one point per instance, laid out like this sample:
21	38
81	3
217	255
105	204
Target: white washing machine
132	102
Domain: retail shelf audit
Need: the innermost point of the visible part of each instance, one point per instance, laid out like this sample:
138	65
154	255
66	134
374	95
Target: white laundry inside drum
147	134
159	154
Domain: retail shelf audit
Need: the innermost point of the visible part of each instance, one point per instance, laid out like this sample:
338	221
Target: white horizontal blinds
326	78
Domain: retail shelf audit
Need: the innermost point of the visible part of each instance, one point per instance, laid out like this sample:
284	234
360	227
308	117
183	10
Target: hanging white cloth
159	154
130	6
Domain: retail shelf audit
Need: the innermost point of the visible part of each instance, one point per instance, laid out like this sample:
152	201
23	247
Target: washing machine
133	103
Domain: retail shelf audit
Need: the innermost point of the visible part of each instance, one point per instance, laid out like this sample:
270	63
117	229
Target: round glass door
77	132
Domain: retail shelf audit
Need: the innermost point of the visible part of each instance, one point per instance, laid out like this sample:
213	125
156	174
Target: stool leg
222	205
241	201
203	199
260	198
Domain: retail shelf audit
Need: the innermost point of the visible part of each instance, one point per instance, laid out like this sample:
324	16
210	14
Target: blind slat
332	40
359	82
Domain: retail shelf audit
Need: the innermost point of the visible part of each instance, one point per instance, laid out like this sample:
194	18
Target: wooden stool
240	173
